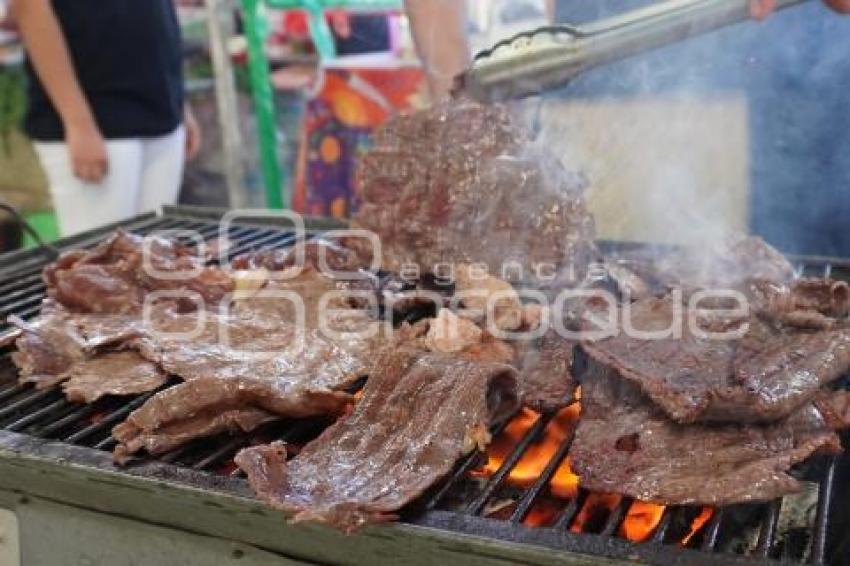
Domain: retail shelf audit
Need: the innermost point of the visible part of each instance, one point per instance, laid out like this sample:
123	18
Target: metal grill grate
462	503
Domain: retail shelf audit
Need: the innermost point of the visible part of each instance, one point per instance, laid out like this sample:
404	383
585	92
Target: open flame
564	482
596	508
544	513
504	443
641	519
698	523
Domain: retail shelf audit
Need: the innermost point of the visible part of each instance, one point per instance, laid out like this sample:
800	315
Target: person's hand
761	9
193	134
87	149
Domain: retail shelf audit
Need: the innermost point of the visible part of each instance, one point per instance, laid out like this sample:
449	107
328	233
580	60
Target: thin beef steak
625	444
238	363
69	348
546	372
114	276
111	373
459	183
763	376
420	413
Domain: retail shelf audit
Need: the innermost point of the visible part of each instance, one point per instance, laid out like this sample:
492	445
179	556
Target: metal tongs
541	59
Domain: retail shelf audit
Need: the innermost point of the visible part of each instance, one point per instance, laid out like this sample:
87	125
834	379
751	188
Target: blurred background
743	129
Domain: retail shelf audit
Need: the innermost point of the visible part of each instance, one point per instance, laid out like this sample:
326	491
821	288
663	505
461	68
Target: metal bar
616	516
466	466
461	471
27	313
106	444
257	237
516	454
221	453
296	433
175	453
69	419
569	514
709	541
111	418
280	239
11	391
663	525
236	232
533	62
33	417
767	534
822	518
34	397
531	494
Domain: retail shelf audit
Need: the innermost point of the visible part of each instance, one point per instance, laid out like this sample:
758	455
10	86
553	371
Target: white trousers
144	174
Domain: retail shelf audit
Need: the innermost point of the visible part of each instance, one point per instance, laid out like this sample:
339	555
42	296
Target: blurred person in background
793	70
106	105
439	29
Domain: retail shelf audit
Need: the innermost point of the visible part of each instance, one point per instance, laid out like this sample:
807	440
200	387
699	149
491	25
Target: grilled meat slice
242	361
111	373
270	352
626	444
467	188
47	348
764	376
810	303
71	349
115	276
730	263
174	434
545	367
320	253
420	412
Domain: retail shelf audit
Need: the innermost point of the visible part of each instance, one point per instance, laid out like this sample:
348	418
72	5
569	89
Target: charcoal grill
190	506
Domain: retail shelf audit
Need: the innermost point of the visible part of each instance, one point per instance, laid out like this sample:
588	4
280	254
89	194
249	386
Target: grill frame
85	476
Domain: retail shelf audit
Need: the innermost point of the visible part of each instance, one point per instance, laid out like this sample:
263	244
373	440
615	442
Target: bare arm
439	31
761	9
842	6
49	55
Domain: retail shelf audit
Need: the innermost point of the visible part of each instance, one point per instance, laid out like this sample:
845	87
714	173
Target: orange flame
563	483
698	523
596	506
543	514
641	520
504	443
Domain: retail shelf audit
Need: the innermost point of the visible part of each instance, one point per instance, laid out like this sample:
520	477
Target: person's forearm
49	55
439	31
551	11
842	6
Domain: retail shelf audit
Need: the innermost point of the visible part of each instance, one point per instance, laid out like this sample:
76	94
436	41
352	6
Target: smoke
744	129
